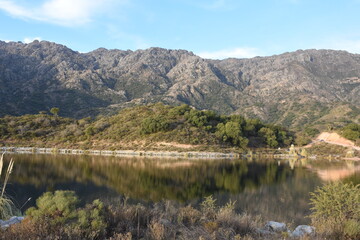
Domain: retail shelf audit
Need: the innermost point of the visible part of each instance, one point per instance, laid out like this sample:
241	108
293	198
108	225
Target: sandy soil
334	138
178	145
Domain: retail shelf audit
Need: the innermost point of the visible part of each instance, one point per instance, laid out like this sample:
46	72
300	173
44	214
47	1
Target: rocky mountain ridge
292	89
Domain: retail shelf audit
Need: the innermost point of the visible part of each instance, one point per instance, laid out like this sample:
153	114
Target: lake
278	190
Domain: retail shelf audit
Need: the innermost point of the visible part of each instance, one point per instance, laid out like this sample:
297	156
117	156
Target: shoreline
121	153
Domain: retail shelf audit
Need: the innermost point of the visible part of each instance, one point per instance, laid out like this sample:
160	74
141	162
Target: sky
214	29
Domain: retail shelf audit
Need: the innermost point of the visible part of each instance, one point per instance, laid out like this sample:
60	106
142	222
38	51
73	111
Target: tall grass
7	208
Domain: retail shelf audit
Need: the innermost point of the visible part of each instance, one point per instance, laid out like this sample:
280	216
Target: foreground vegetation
336	215
336	210
58	215
143	127
7	208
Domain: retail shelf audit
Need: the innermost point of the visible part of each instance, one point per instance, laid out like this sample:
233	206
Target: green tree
351	131
231	132
197	118
269	136
154	124
55	111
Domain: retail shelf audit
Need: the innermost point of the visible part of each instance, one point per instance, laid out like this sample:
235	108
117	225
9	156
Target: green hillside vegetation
351	132
143	127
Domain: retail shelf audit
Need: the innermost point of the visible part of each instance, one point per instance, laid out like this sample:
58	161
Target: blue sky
211	29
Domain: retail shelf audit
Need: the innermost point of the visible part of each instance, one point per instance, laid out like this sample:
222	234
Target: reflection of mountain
336	173
147	179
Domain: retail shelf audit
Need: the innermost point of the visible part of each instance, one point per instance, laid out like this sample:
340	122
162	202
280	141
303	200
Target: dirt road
334	138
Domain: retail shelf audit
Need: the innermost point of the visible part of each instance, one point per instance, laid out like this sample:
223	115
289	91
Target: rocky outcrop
272	228
11	221
290	89
275	227
303	230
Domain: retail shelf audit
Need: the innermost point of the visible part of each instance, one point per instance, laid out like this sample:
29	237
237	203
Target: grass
57	216
162	220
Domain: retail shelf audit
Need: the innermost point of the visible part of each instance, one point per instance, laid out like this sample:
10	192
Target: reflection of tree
286	201
148	179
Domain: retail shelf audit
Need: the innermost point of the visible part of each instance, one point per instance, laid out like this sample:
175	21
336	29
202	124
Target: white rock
276	226
303	230
12	220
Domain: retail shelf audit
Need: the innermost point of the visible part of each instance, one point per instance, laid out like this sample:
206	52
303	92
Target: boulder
12	220
303	230
275	227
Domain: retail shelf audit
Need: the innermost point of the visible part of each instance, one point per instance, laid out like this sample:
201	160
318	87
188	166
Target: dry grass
7	208
161	221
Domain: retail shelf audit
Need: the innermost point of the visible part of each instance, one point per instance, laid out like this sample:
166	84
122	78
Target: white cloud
30	40
212	5
216	4
61	12
137	41
294	1
231	53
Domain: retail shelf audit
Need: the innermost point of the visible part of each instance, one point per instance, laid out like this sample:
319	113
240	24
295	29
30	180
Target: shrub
189	215
91	221
336	210
311	132
208	207
157	230
58	214
59	206
154	124
351	131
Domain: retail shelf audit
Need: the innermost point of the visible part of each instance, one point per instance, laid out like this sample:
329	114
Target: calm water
278	190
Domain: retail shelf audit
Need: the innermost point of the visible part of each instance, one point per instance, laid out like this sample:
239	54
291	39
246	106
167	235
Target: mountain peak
41	75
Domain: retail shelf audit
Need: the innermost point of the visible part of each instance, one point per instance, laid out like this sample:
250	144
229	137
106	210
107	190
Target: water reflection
276	189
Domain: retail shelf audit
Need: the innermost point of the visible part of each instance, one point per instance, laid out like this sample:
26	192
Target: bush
336	210
351	131
189	216
91	221
59	206
208	207
311	132
127	221
58	211
154	124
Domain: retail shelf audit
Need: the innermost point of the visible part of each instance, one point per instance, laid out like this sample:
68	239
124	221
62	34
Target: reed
8	172
7	208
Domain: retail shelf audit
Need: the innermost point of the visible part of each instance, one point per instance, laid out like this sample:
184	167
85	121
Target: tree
154	124
269	136
231	132
55	111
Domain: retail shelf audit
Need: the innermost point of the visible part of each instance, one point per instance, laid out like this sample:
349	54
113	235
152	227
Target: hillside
152	127
294	89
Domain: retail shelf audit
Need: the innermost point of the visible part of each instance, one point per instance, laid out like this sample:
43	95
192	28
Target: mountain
292	89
